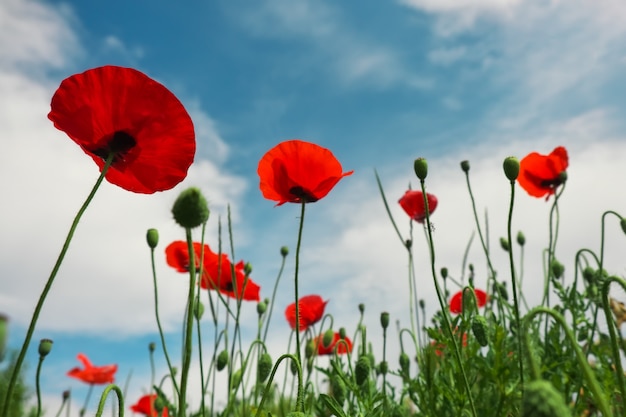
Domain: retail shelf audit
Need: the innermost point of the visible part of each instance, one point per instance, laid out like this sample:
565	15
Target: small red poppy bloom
542	174
96	375
440	346
145	406
121	110
330	349
311	309
456	302
217	270
413	204
295	171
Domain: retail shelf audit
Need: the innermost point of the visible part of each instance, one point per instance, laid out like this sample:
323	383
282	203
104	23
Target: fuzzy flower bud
444	272
261	308
264	367
465	166
152	236
511	168
362	369
151	347
557	268
309	348
504	244
198	309
421	168
45	346
342	333
190	208
383	368
521	239
284	251
362	308
222	360
328	337
384	319
405	363
541	399
247	269
236	379
480	329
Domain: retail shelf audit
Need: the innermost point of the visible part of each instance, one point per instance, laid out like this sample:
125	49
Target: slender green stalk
46	289
444	310
84	409
300	394
594	386
273	300
104	396
514	288
617	357
37	384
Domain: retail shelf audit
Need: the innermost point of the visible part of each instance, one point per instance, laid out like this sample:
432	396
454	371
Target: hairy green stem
103	398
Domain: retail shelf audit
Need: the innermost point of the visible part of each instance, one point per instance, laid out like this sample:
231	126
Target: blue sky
379	84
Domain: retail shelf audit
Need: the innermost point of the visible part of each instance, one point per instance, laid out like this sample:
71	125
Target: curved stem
103	398
37	385
46	289
594	386
272	301
444	311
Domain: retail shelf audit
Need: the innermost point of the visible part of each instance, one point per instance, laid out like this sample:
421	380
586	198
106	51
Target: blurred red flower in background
311	309
217	270
542	174
456	301
440	346
413	204
121	110
295	171
145	406
330	349
93	374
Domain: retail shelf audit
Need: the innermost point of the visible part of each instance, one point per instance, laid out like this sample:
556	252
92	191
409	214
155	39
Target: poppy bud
293	366
408	243
362	308
562	177
465	166
198	309
504	244
421	168
222	360
521	239
247	268
236	379
511	168
151	347
541	399
328	337
338	388
264	367
45	346
362	369
266	300
384	320
152	236
622	223
3	334
284	251
422	303
480	328
444	272
383	367
405	363
159	404
557	268
309	348
190	208
66	395
261	308
588	274
342	333
501	288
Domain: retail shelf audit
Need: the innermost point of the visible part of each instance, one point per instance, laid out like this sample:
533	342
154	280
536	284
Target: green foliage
22	393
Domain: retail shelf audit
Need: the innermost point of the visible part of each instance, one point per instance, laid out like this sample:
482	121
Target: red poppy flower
330	349
295	171
145	406
217	271
413	204
440	346
311	309
93	374
456	302
121	110
542	174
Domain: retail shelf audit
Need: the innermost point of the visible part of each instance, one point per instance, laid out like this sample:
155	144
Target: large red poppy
542	174
145	406
330	349
121	110
217	271
93	374
311	309
413	204
456	302
295	171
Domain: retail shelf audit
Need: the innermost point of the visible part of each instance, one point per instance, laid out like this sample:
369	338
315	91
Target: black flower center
302	194
120	143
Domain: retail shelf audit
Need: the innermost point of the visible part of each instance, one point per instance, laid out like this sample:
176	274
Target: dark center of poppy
120	143
302	194
554	182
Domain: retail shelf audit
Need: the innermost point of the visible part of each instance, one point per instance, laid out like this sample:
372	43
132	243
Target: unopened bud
309	348
190	208
421	168
480	330
198	309
361	308
521	239
151	347
152	236
511	168
45	346
384	319
405	363
247	268
557	268
504	244
362	369
465	166
222	360
444	272
261	308
284	251
236	379
342	333
264	367
328	337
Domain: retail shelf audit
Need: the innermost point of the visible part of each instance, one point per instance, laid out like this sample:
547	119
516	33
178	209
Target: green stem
444	310
514	287
273	300
44	293
594	386
617	357
37	385
300	394
103	398
84	409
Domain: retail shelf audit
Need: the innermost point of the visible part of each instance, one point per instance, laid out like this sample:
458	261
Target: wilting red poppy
121	110
456	302
311	309
145	406
295	171
542	174
330	349
217	272
413	204
93	374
